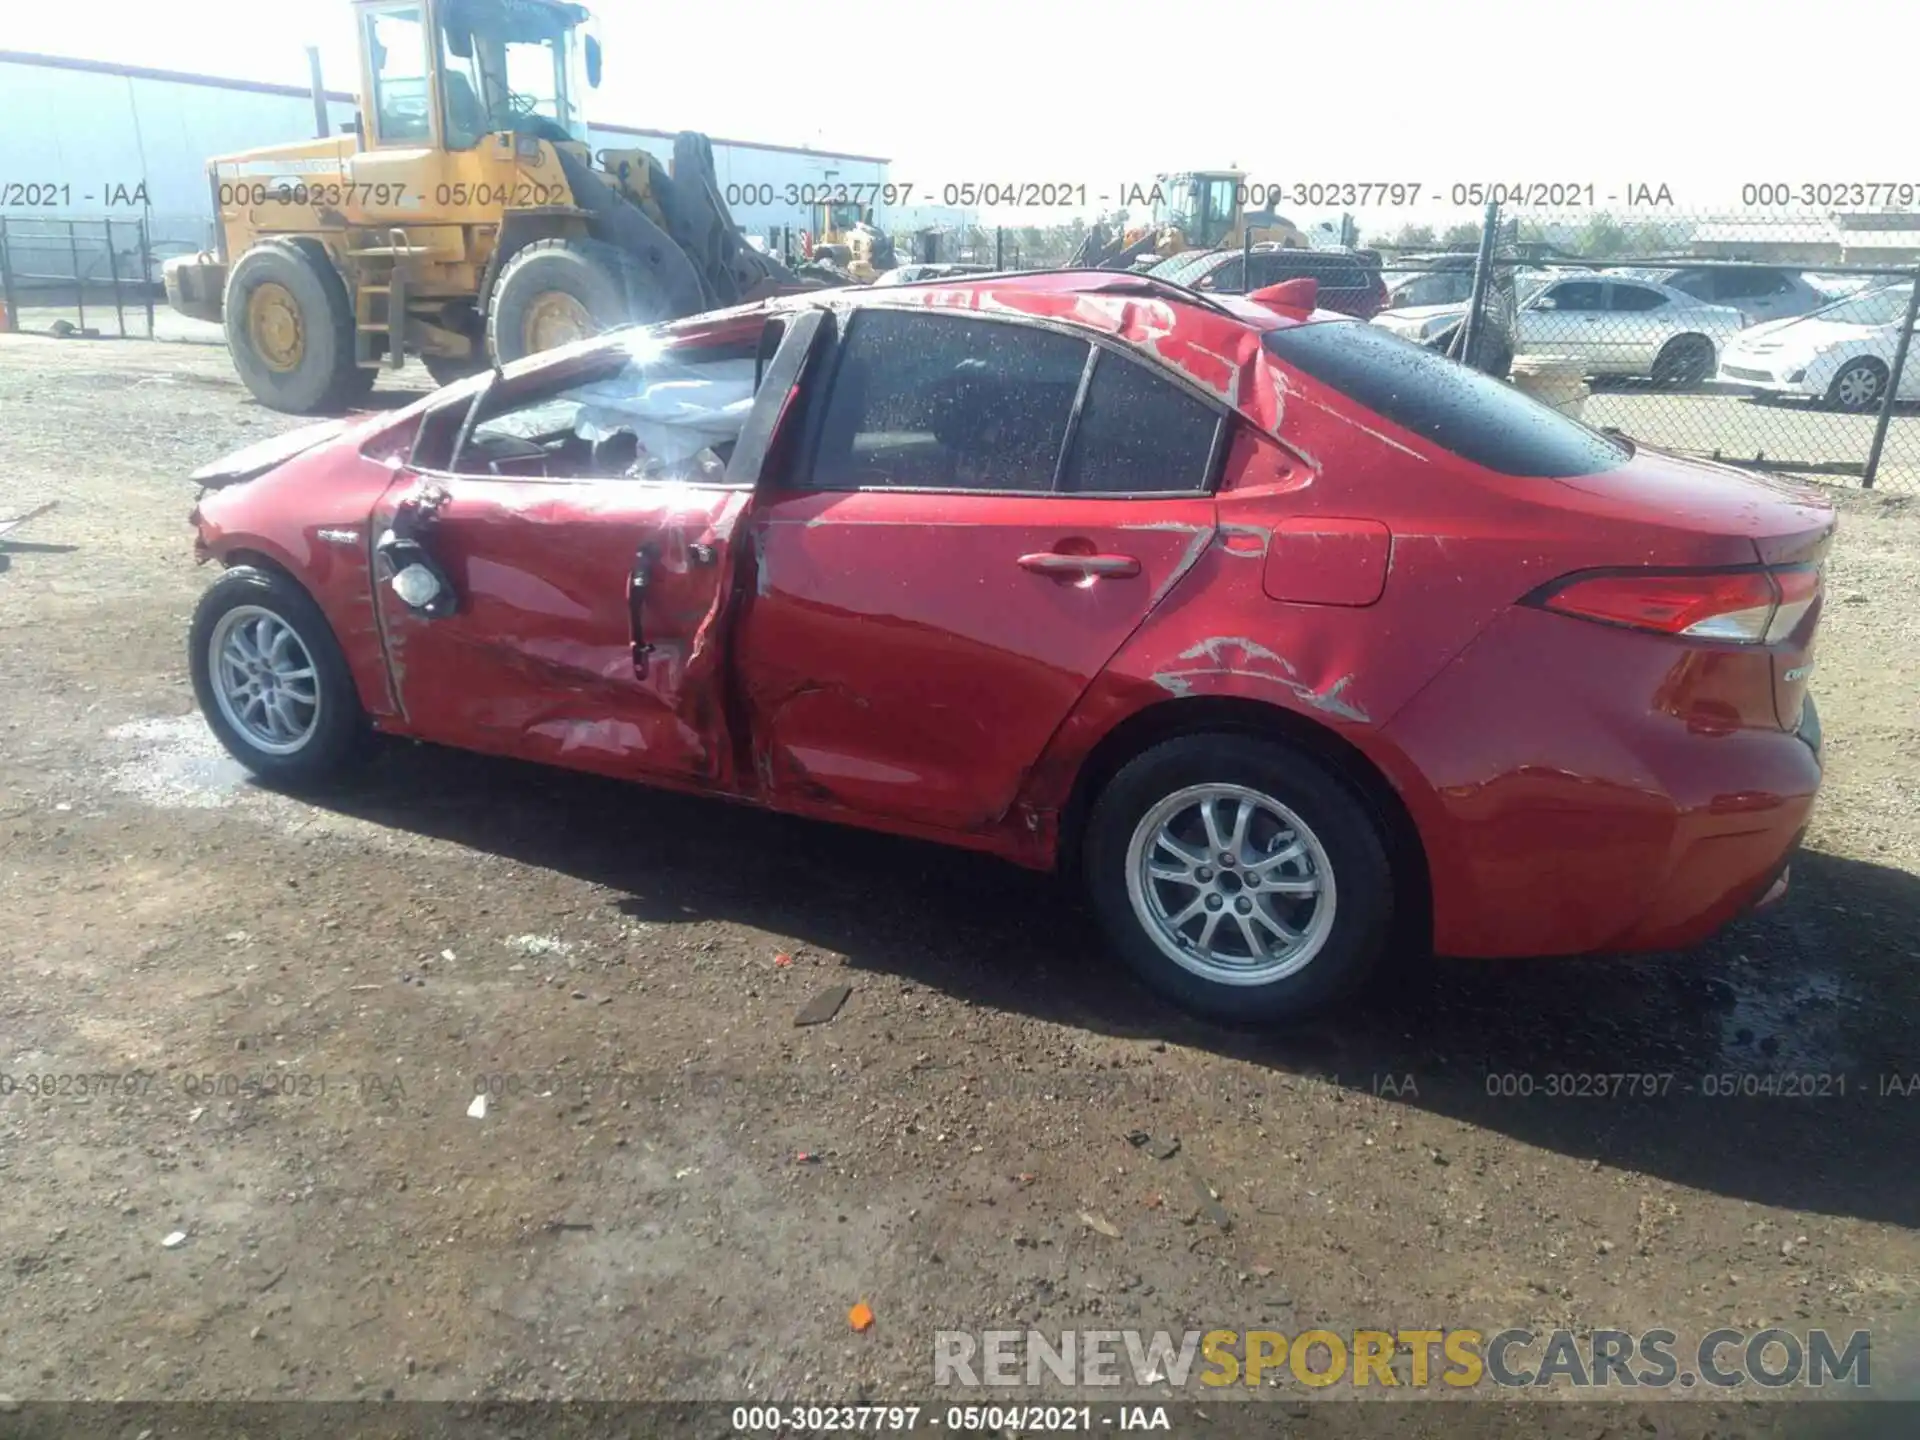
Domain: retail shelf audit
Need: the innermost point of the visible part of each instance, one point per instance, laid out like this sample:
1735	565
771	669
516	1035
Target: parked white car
1842	354
1618	325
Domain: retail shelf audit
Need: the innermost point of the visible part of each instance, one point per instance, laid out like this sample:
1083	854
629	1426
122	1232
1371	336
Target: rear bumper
1572	798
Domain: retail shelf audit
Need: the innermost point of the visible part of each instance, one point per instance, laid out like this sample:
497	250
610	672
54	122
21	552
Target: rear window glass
1449	404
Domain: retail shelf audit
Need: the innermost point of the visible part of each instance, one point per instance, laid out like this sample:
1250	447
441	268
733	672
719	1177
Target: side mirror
593	62
460	43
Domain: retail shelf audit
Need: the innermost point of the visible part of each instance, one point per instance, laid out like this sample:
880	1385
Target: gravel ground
631	1218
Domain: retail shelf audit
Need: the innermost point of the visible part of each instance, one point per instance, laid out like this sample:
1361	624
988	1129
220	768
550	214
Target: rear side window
1139	434
935	402
1697	283
1573	295
1634	297
1451	405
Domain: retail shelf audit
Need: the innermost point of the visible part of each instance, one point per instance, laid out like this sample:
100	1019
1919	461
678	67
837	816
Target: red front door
582	541
554	653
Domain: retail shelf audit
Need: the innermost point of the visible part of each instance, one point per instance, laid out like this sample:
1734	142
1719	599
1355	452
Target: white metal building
88	135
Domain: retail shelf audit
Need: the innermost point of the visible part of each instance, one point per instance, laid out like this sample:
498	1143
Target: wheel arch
1232	714
359	643
261	554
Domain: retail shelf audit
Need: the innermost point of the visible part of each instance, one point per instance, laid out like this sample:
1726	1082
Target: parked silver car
1758	292
1621	326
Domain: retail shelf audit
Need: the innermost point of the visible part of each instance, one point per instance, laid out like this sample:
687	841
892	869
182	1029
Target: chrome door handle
1054	562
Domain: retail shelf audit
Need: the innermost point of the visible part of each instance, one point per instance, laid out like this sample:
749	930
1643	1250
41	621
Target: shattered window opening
668	416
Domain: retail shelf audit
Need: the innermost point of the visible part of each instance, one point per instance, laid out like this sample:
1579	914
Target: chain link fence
1776	342
1775	339
77	277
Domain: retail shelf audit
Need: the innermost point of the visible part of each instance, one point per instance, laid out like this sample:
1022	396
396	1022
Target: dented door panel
540	657
898	659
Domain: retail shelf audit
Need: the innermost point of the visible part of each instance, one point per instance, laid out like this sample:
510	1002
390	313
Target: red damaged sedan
1292	640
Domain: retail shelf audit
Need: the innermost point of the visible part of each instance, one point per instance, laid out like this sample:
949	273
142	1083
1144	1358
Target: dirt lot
631	1219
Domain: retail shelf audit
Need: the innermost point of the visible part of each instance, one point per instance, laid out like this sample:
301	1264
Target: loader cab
445	74
1203	206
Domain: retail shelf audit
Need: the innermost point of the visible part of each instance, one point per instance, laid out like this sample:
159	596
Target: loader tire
290	330
555	292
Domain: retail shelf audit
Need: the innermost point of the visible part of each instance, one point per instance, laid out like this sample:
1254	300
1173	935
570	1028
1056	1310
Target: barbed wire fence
1776	340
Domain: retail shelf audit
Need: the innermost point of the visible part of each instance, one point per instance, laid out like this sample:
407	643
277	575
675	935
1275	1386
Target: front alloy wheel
271	679
264	680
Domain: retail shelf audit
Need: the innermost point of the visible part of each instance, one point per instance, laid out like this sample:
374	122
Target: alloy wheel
264	680
1231	884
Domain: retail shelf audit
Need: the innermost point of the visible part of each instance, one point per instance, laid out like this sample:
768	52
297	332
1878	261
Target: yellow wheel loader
1194	210
845	239
464	219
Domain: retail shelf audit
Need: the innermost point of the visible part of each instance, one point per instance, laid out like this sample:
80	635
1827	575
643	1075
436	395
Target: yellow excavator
1192	210
463	220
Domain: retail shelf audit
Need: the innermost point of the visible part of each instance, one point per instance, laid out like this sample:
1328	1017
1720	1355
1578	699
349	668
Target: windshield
512	65
1175	205
1531	283
1878	307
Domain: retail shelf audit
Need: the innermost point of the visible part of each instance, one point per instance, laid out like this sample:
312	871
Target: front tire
1239	878
271	679
1859	387
290	330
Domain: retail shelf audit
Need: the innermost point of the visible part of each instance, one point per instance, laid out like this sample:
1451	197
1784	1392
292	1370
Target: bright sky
1696	94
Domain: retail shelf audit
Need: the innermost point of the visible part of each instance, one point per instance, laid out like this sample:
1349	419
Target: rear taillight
1744	607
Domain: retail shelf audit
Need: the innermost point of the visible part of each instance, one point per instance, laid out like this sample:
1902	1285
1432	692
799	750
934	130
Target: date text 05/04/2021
802	1419
1256	194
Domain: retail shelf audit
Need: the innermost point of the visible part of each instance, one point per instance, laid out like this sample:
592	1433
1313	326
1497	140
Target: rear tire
1684	360
554	292
302	723
1859	387
1308	861
290	330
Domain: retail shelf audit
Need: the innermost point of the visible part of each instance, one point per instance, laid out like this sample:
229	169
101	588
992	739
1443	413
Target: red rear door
978	519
